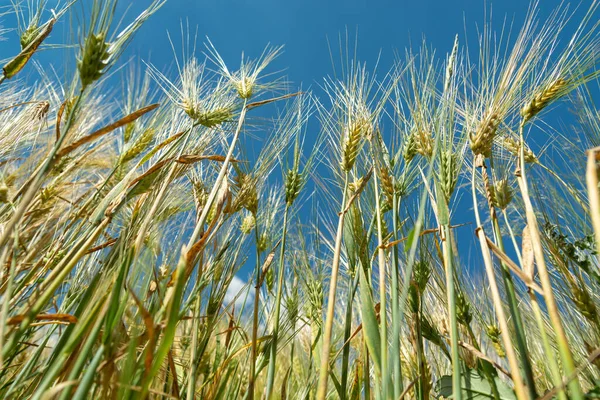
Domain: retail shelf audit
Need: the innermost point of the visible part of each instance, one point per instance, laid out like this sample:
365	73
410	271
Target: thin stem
497	300
257	285
594	195
382	291
396	321
324	371
348	331
549	352
511	295
449	267
563	345
281	274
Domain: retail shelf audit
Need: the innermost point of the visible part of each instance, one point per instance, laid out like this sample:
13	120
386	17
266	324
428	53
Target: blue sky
303	26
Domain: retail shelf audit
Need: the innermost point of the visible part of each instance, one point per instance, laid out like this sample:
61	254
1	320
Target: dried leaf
527	254
107	129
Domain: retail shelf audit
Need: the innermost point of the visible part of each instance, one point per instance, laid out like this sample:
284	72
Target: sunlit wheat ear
248	224
99	51
409	148
423	142
502	194
246	81
513	147
493	333
354	136
138	147
387	186
482	139
246	193
94	59
584	302
293	184
205	102
543	98
449	168
40	111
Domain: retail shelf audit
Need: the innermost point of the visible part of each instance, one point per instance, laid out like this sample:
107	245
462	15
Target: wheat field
427	231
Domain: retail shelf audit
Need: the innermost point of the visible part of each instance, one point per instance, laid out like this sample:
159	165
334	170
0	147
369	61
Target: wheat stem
563	345
280	278
497	300
324	369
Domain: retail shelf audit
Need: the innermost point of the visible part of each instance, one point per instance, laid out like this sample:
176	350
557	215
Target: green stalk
8	294
520	390
347	332
449	267
561	338
513	304
396	321
88	378
273	349
191	389
324	371
420	357
382	292
255	317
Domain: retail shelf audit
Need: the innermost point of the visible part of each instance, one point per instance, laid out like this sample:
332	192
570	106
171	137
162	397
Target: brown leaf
17	319
107	129
267	101
16	64
192	158
527	255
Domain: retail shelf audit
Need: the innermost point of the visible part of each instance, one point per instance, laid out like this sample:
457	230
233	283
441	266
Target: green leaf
474	387
369	321
409	240
594	393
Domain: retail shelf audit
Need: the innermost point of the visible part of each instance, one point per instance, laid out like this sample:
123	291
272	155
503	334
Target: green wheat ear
94	59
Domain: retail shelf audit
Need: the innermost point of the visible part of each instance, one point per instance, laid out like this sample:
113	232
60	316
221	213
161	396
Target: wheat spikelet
40	110
94	59
483	138
448	173
247	195
463	309
356	132
423	143
28	35
541	100
502	194
513	148
293	183
314	306
138	147
4	193
207	118
493	333
584	303
248	224
387	185
200	193
410	148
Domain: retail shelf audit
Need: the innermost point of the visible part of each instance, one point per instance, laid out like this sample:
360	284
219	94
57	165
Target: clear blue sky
303	26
